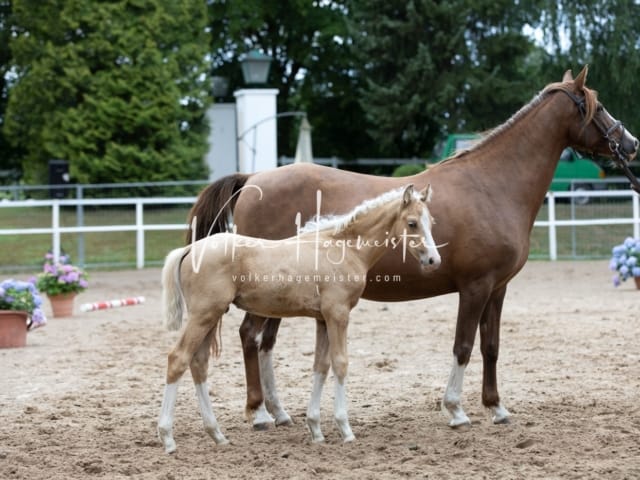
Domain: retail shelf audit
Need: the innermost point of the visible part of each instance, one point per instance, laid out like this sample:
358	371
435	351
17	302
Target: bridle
614	145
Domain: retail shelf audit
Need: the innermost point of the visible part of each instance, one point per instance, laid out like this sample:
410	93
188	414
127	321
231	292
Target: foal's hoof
461	425
167	440
262	426
285	422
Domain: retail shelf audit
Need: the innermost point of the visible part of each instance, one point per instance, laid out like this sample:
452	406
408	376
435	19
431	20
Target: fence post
553	241
55	227
635	202
139	235
80	223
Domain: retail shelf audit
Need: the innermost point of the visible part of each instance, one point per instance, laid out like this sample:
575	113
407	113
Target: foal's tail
172	298
214	207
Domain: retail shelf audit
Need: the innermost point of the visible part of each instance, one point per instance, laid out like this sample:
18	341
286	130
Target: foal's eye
413	224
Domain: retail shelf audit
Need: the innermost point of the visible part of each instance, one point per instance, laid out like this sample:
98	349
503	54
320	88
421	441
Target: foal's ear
408	193
581	79
425	194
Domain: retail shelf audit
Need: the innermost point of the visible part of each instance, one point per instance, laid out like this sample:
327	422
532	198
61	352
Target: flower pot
13	328
637	280
62	304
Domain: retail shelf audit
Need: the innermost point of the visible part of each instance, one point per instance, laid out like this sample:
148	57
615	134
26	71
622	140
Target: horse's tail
214	206
172	298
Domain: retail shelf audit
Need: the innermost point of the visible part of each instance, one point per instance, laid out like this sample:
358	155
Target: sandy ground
81	400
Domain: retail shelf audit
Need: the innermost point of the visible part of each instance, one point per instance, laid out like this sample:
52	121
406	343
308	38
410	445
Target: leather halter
614	145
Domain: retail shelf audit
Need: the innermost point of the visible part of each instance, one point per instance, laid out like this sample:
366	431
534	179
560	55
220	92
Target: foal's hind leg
199	366
490	345
178	361
321	366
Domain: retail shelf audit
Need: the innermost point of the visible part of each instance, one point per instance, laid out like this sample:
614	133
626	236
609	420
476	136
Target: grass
117	250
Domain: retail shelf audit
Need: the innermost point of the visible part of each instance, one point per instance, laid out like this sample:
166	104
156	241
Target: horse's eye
599	108
413	224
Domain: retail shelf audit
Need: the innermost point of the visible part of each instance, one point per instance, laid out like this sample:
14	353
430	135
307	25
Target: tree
9	156
604	35
432	67
115	87
312	66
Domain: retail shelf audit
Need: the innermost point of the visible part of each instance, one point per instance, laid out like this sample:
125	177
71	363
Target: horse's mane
591	104
340	222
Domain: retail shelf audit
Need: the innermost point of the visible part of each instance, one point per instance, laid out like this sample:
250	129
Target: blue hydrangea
625	260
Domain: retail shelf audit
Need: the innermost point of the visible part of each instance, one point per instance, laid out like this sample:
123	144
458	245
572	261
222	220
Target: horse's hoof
501	420
262	426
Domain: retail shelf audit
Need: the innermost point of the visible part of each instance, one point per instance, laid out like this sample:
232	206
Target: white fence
139	226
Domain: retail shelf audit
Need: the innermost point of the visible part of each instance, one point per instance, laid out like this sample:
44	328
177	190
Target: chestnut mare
320	273
488	195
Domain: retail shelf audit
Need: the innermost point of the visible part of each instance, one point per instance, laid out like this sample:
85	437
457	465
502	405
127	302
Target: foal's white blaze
268	382
340	412
433	256
208	417
313	410
165	422
453	395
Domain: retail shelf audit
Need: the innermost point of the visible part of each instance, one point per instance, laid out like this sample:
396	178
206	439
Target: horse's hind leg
178	361
489	346
258	336
199	366
321	366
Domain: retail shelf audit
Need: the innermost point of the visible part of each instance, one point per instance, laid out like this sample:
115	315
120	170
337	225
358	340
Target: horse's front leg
321	365
199	366
337	323
472	302
490	345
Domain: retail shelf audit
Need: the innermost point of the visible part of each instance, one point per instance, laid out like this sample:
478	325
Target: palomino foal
319	273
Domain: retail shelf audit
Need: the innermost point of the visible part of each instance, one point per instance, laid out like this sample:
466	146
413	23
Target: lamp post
256	106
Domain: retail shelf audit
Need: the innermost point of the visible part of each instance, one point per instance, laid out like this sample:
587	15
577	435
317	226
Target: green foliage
433	67
312	67
408	169
116	88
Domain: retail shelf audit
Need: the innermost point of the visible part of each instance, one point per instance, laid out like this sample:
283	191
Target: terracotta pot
13	328
62	304
637	280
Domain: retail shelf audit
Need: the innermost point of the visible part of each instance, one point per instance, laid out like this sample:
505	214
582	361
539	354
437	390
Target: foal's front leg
337	323
321	366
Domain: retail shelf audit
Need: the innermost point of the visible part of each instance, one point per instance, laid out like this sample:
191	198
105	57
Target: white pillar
257	132
222	157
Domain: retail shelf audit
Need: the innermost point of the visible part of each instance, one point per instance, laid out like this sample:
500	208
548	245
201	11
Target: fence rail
552	210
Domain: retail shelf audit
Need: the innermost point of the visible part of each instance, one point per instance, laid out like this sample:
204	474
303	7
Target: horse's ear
425	195
581	79
408	193
568	76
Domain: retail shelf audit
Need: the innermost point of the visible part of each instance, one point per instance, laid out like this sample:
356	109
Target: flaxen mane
340	222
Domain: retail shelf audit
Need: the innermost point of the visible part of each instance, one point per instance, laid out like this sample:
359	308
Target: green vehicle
573	169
